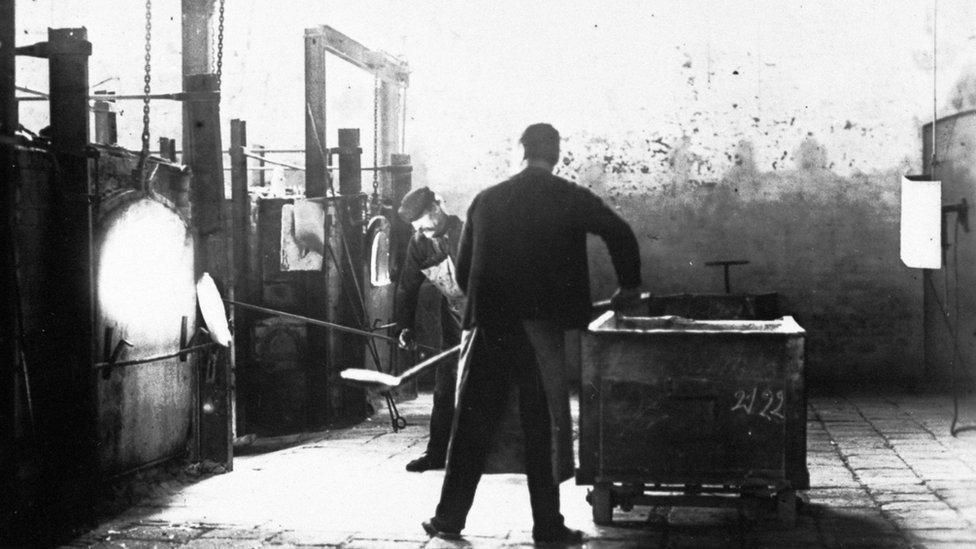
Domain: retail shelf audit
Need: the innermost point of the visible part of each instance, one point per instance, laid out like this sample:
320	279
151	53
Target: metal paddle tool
385	383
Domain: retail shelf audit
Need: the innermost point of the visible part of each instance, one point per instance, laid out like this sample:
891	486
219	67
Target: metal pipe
8	35
179	96
314	321
297	167
72	334
371	168
195	348
322	323
267	160
10	352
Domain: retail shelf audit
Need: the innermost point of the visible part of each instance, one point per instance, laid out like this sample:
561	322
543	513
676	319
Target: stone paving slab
223	543
237	534
884	473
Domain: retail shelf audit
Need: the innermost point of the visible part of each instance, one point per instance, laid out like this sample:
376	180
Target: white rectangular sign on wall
921	222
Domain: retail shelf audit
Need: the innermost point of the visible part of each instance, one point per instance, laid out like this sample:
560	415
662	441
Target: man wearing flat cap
432	255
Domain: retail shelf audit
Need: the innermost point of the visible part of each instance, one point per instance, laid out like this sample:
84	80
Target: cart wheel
601	499
786	507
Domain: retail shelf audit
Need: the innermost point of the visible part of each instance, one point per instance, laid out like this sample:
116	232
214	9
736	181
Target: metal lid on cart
610	322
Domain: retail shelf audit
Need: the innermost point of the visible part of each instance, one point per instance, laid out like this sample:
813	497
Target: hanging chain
147	79
220	43
376	139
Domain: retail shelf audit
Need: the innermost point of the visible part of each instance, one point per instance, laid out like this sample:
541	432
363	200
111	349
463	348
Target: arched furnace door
379	289
144	272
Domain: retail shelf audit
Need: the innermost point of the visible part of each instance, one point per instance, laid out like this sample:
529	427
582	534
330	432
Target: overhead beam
316	152
380	64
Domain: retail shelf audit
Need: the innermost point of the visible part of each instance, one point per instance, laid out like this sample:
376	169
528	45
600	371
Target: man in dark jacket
432	255
523	266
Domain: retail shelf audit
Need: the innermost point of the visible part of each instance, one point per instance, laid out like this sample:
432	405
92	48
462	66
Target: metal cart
692	413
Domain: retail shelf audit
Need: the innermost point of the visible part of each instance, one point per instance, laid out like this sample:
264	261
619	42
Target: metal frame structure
345	205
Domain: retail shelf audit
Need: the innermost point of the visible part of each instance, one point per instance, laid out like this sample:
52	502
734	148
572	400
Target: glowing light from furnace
145	273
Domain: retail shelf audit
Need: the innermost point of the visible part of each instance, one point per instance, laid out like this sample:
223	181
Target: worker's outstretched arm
599	219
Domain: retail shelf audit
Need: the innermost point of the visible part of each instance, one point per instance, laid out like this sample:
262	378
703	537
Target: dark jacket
523	251
423	252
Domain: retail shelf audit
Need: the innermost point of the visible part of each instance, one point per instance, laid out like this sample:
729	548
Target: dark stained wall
827	244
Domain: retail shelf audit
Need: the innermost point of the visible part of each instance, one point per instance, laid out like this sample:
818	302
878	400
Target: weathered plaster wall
827	244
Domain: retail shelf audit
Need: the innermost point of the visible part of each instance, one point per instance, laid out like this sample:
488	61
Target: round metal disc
212	308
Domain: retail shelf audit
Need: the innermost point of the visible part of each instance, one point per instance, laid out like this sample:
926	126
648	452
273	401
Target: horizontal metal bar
249	154
255	151
310	320
195	348
374	168
323	323
28	90
259	151
264	169
180	96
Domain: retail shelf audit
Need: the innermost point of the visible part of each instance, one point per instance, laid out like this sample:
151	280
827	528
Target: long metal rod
322	323
294	167
10	350
370	168
249	154
182	96
425	365
310	320
935	79
195	348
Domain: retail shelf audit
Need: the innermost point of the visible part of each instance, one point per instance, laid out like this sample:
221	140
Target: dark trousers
499	359
445	380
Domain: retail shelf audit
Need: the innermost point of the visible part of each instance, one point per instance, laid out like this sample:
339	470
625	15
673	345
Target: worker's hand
626	300
406	340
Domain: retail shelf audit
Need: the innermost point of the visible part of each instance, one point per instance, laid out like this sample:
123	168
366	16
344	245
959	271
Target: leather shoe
561	535
434	530
424	463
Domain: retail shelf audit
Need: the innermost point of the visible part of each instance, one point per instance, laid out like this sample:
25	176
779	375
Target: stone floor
884	473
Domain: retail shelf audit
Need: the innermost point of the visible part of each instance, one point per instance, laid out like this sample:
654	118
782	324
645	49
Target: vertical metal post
68	56
316	163
389	132
402	179
260	177
350	163
8	101
74	402
196	30
240	222
344	281
400	231
167	148
9	350
106	131
321	296
202	152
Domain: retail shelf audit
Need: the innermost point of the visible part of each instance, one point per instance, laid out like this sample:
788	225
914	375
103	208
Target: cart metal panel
670	401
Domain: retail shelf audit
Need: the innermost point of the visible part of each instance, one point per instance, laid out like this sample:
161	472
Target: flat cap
415	203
